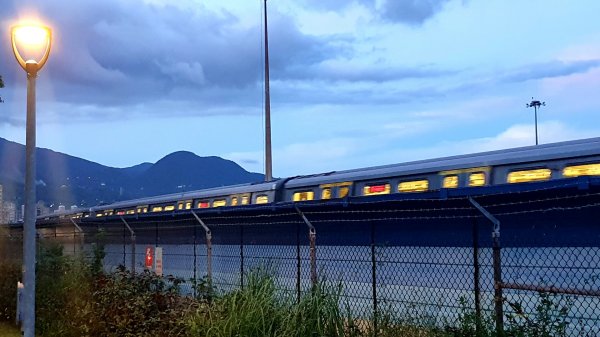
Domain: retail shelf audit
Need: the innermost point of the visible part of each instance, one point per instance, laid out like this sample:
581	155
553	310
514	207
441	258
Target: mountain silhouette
67	180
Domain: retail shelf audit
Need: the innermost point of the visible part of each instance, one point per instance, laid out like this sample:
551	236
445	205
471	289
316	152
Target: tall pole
30	209
535	104
268	159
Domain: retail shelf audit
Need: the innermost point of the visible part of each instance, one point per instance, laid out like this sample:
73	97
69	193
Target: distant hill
68	180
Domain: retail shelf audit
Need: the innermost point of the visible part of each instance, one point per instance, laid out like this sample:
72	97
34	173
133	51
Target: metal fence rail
509	256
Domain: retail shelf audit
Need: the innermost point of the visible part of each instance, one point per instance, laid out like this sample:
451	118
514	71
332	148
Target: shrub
10	273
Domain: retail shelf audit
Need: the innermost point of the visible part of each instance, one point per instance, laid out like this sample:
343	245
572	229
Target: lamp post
31	46
535	104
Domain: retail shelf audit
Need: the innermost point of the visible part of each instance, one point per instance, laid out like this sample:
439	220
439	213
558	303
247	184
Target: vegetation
75	297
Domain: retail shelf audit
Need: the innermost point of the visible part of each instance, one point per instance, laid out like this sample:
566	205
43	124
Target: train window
326	194
414	186
343	191
528	175
203	204
234	201
157	208
262	199
581	170
99	215
143	209
245	199
180	205
477	179
170	208
450	181
303	196
219	203
130	211
376	189
120	212
188	205
108	213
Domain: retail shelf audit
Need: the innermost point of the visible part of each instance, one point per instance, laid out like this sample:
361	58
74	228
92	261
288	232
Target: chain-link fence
507	258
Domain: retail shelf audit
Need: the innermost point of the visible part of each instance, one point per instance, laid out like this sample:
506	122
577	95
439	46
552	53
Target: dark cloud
413	12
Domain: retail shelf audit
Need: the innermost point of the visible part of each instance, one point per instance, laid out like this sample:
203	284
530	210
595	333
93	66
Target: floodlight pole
535	104
268	159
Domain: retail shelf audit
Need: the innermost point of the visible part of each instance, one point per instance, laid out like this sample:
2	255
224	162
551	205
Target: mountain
68	180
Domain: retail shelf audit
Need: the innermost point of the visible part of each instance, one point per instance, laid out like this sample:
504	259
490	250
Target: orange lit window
219	203
188	205
582	170
131	211
343	191
262	199
180	205
414	186
376	189
528	175
169	208
203	204
450	182
326	193
477	179
157	208
234	201
303	196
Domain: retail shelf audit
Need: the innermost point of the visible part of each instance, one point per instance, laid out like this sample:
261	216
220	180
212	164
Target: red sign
149	257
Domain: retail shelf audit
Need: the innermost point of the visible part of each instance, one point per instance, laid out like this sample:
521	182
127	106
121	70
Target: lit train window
477	179
343	191
303	196
143	209
376	189
528	175
157	208
245	200
170	208
108	213
203	204
450	182
326	193
120	212
262	199
180	205
130	211
414	186
188	205
234	201
582	170
99	215
219	203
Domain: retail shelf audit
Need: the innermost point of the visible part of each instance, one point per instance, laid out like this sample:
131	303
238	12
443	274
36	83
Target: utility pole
268	159
535	104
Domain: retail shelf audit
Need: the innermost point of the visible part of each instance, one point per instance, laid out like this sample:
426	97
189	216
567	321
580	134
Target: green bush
10	273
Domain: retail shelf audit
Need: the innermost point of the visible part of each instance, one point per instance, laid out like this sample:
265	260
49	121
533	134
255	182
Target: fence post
497	267
132	233
298	264
312	236
242	257
476	277
374	280
80	237
208	250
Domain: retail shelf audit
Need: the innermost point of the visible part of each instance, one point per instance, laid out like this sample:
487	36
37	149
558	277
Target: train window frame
450	181
413	186
202	204
543	174
169	208
578	168
479	180
245	200
343	191
261	199
234	200
219	203
156	209
387	188
326	193
305	195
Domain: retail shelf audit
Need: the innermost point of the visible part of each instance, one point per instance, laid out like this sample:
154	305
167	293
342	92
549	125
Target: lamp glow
31	46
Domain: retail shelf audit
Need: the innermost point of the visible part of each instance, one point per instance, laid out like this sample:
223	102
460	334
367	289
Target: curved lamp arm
31	66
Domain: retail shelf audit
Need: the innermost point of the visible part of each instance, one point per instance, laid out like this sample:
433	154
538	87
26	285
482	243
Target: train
561	160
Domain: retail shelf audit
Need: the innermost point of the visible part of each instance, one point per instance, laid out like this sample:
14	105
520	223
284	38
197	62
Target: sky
353	83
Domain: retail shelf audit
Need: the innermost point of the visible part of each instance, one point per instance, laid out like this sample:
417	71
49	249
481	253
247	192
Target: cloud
550	70
412	12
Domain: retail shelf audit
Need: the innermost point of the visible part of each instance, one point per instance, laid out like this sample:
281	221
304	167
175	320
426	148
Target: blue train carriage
519	165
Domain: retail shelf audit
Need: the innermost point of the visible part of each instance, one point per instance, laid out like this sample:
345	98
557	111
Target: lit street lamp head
31	46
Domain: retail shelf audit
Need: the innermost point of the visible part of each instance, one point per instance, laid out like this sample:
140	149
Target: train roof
526	154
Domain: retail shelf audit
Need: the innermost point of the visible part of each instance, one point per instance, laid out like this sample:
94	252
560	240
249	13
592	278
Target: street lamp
535	105
31	46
